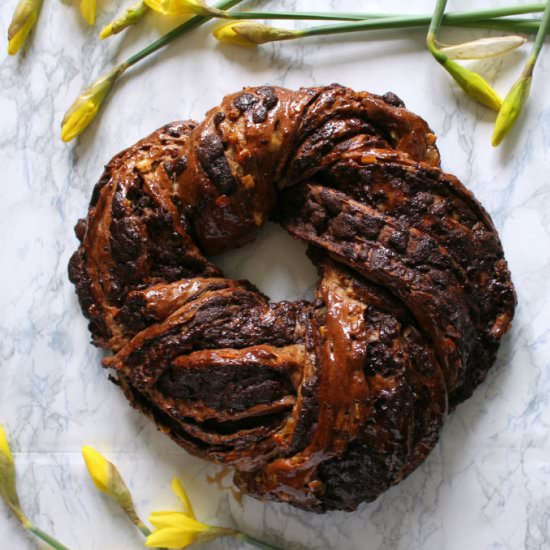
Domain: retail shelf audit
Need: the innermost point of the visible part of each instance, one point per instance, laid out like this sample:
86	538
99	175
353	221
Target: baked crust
321	404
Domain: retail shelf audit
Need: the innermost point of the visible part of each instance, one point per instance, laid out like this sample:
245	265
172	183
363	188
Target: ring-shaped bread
321	404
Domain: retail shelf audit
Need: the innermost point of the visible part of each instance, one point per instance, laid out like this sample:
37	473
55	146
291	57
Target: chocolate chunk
391	99
213	161
245	102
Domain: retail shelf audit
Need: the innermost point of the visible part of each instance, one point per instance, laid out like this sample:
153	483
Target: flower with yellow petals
249	34
23	20
8	491
87	10
87	104
181	529
107	479
184	7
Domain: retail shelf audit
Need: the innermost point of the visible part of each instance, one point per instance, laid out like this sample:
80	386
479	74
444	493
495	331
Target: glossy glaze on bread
320	404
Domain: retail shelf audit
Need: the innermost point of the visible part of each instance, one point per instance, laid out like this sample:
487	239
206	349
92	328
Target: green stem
491	13
413	21
526	26
257	543
437	17
305	15
46	538
377	21
143	528
433	29
529	67
189	25
544	27
339	16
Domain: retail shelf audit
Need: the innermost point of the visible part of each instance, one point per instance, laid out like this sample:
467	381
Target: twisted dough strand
321	404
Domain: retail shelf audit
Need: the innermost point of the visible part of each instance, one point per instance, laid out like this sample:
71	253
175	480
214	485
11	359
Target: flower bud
130	17
473	84
511	108
107	479
249	34
8	488
87	104
184	7
23	20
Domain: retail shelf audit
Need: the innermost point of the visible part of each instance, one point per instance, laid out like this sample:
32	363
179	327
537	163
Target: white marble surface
486	485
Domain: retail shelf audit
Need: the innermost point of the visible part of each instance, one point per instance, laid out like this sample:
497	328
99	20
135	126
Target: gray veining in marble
486	485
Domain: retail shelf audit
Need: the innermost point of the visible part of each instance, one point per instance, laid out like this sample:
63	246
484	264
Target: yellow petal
80	119
171	537
226	34
177	519
8	489
23	20
18	39
87	10
511	108
473	84
178	488
184	7
4	445
98	467
107	479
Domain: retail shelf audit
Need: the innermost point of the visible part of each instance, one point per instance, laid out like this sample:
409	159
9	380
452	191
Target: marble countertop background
486	485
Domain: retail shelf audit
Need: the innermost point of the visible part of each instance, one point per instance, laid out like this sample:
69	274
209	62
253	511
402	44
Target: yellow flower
5	447
87	10
181	529
473	84
8	492
511	109
8	489
107	479
130	17
87	104
180	492
100	469
184	7
23	20
245	33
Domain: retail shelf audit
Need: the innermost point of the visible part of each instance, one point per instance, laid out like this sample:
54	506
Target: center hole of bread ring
275	262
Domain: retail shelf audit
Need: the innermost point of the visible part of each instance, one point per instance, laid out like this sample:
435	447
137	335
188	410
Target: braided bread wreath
320	404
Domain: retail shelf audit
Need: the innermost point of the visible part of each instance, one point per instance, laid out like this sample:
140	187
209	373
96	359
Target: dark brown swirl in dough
321	404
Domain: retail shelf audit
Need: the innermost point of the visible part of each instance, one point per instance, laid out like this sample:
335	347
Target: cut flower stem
489	18
449	18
